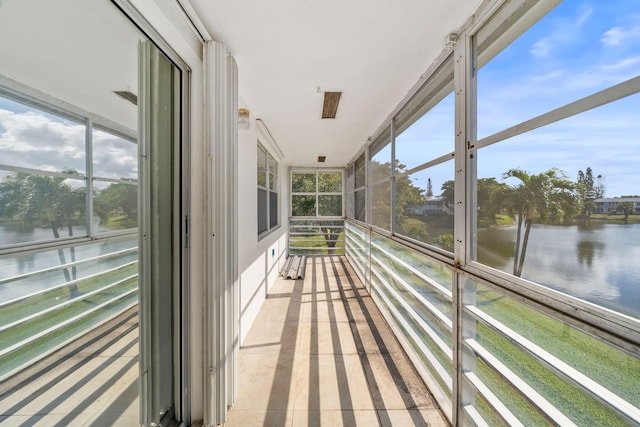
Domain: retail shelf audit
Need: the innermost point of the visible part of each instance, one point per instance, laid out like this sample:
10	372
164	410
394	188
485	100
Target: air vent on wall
330	105
321	159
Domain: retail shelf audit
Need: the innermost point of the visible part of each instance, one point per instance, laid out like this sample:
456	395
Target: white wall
259	262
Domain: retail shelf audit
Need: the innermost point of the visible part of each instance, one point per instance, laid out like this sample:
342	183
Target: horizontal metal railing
393	279
316	236
37	323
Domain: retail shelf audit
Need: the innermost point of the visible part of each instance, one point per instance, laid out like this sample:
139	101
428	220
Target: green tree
490	196
118	200
627	208
44	201
540	197
590	188
429	188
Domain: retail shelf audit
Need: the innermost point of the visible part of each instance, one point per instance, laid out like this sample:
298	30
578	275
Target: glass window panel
329	205
263	220
428	138
303	182
360	205
605	365
115	206
380	164
262	167
585	235
381	200
360	171
329	182
577	47
303	205
425	205
114	157
34	139
273	209
39	207
273	173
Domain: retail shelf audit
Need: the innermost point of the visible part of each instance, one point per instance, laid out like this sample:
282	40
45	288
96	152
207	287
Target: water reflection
593	260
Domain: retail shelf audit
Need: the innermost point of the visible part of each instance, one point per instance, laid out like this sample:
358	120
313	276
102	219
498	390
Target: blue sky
577	49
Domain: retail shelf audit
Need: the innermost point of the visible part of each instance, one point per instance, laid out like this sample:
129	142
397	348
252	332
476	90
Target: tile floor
321	354
92	382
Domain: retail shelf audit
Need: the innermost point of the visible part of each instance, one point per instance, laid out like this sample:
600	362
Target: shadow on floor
321	354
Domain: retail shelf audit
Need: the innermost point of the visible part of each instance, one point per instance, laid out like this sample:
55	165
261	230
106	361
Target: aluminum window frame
317	193
269	191
33	98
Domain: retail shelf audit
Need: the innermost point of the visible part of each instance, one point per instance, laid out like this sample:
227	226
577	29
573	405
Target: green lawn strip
317	241
604	364
511	398
576	404
444	387
444	359
41	323
38	347
54	297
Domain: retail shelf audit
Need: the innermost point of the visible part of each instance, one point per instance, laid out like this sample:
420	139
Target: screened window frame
317	193
271	188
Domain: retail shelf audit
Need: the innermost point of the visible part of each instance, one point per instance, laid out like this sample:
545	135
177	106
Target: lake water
595	260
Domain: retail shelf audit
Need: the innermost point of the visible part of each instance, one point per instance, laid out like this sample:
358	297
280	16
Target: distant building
434	206
610	205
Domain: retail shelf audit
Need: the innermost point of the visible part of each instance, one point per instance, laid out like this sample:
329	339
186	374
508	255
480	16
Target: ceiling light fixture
330	104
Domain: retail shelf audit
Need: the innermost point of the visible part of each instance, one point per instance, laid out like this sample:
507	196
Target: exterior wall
259	261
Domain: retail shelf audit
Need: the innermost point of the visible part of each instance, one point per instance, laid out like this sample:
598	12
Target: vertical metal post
89	176
392	201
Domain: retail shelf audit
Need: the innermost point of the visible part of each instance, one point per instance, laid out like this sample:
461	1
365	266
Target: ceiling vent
330	105
129	96
321	159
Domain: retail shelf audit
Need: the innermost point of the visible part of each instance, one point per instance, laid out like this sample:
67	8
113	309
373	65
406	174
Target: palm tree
542	197
40	199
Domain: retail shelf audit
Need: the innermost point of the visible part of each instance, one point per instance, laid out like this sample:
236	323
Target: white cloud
622	35
564	31
623	63
38	141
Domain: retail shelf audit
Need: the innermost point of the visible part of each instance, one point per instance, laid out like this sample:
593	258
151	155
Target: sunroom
296	213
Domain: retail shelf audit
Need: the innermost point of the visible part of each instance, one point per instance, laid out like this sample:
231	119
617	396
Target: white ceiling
373	51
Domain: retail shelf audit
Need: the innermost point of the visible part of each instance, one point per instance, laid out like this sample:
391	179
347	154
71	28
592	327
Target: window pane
570	179
581	49
263	222
40	207
34	139
429	137
303	182
380	165
424	207
360	171
114	157
381	199
360	205
329	205
273	173
329	182
303	205
262	167
115	206
273	209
